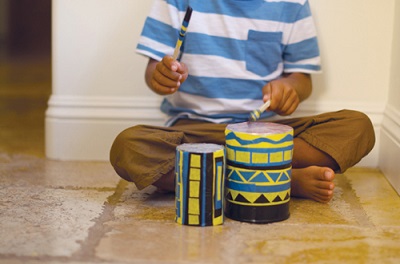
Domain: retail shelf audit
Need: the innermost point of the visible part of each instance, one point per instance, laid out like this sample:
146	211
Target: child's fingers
168	76
164	80
184	71
290	105
274	94
162	89
167	72
267	92
171	64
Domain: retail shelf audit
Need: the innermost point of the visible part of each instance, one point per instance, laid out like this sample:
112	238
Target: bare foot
314	183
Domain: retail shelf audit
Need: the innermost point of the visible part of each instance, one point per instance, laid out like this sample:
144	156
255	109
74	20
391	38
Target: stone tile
376	196
38	221
282	243
144	230
41	260
337	212
26	170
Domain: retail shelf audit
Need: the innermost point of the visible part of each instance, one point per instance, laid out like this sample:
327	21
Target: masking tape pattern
199	197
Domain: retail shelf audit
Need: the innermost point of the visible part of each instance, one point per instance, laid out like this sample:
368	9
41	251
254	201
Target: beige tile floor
81	212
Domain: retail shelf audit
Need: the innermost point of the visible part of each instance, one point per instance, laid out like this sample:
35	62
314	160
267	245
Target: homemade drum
200	170
258	174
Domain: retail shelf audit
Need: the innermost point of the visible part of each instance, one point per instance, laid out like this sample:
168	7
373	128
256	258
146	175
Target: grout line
354	202
87	251
99	229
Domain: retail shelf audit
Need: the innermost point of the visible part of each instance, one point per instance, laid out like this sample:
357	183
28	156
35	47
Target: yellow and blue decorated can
200	176
258	175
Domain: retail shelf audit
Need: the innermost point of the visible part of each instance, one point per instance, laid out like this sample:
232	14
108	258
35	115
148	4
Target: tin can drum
199	195
258	174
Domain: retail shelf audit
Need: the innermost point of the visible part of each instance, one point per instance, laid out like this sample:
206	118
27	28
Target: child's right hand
165	77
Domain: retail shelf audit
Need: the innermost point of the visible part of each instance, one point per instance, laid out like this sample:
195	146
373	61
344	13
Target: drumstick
185	24
255	115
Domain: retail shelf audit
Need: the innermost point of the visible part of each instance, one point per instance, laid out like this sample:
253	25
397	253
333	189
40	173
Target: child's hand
167	75
284	98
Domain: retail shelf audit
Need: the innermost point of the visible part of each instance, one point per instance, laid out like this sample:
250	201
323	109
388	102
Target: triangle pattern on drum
241	198
262	200
234	175
260	177
258	198
247	175
284	177
274	175
287	196
277	199
229	196
250	197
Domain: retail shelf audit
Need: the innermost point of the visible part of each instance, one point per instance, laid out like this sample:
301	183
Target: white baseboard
390	147
83	128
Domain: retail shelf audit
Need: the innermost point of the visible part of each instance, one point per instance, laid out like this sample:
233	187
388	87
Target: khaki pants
142	154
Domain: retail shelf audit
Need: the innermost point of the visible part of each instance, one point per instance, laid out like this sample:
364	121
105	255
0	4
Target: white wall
394	91
94	43
390	139
99	89
98	83
355	39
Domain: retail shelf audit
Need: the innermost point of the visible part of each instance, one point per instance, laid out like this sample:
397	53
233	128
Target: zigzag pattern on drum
232	136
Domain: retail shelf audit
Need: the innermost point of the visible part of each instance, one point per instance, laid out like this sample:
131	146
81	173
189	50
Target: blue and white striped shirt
232	49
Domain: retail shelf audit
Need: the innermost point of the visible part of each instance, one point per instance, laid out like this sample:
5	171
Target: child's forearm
301	82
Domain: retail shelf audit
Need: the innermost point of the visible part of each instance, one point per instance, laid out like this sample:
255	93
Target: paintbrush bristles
255	115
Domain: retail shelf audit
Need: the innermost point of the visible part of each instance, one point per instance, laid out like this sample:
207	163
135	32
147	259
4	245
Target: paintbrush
255	115
182	33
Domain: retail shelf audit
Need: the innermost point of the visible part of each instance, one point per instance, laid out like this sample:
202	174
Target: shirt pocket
263	52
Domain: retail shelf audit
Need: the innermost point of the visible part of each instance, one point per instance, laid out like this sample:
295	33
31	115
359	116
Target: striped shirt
232	49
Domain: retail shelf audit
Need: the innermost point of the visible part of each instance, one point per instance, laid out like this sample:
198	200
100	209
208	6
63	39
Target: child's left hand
287	92
284	98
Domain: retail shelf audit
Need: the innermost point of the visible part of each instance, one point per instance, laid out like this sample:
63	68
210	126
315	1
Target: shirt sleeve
301	52
160	30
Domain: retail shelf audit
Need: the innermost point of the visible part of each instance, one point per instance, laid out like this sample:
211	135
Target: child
237	55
